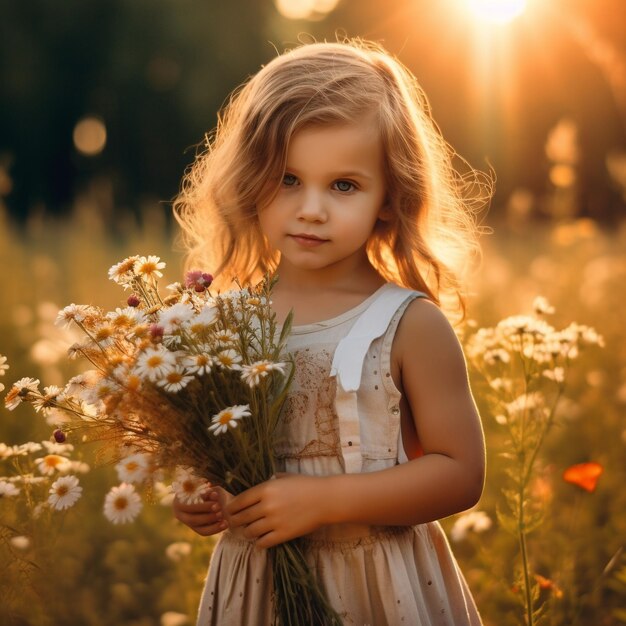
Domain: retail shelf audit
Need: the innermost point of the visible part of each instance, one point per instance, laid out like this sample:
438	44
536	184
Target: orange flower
549	585
584	475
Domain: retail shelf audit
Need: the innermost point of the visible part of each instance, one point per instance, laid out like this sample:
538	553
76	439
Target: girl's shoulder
425	332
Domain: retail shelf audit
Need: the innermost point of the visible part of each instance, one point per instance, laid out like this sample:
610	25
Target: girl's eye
289	180
344	186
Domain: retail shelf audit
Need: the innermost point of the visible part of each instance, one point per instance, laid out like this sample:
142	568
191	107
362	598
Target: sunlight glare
497	11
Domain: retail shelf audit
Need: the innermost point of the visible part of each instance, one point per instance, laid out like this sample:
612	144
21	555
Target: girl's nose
312	207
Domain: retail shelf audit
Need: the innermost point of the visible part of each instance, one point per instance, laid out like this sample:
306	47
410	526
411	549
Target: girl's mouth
308	241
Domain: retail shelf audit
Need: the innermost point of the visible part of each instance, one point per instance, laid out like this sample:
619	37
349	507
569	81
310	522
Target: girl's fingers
210	529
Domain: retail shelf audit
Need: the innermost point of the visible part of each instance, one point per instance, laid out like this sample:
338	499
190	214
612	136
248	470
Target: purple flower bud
59	436
156	331
133	300
198	280
192	278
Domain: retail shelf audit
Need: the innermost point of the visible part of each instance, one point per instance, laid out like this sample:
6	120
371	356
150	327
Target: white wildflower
133	468
128	317
188	487
8	490
52	447
557	374
122	504
155	363
64	492
20	391
123	272
228	359
541	306
198	364
228	418
3	365
149	267
75	313
253	373
52	463
177	550
478	521
175	317
175	380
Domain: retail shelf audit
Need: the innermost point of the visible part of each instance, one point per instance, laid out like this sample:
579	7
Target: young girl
327	168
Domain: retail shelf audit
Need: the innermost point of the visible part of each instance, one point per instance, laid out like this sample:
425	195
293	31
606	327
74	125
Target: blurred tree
156	71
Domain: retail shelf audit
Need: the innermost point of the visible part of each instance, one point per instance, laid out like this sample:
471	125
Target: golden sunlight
496	11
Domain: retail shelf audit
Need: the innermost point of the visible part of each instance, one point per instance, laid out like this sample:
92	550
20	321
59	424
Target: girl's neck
318	296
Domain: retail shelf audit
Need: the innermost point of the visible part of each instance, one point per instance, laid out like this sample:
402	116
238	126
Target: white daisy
478	521
225	337
178	550
104	335
3	365
51	463
164	493
52	447
80	385
128	317
20	391
64	492
155	363
203	320
228	359
122	504
228	418
253	373
74	313
49	396
175	316
175	380
188	487
123	272
149	267
198	364
133	468
7	489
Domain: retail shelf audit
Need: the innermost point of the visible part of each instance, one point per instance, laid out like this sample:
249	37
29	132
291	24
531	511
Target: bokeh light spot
562	175
305	9
90	136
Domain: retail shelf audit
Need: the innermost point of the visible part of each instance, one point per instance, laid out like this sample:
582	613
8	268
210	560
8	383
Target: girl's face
330	198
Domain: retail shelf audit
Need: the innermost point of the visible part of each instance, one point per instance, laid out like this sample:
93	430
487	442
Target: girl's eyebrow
335	176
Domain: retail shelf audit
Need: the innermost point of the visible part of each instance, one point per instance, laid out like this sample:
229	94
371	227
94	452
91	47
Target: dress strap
347	366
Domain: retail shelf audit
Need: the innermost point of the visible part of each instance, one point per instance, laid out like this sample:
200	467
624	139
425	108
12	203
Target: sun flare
497	11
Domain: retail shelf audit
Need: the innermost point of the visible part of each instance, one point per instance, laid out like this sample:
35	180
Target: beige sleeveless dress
342	415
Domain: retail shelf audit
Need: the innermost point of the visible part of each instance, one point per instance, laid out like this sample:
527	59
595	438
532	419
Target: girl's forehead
345	146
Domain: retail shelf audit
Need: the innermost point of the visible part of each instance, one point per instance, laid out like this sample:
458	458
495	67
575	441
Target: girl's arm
448	478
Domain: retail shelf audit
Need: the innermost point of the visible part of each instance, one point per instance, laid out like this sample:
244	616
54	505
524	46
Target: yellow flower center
131	466
62	490
226	417
120	503
154	361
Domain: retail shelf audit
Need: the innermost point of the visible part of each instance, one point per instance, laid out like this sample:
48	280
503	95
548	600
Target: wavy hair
433	196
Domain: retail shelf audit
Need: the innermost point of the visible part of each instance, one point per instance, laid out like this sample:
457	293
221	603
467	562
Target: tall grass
75	568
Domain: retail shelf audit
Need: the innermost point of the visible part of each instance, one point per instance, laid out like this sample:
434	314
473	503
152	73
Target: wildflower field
544	545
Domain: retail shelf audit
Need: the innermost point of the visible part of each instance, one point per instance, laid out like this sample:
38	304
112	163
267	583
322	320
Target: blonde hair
431	231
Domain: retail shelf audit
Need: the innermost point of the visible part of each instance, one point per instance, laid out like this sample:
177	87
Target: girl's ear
385	214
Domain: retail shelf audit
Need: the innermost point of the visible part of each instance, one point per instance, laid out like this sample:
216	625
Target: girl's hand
207	517
280	509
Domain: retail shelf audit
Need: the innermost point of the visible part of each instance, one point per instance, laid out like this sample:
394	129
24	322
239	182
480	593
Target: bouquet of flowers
192	382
